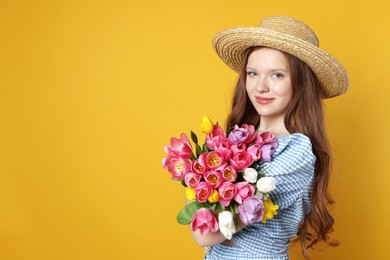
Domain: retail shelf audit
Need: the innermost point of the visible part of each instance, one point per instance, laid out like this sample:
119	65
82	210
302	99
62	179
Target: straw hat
289	35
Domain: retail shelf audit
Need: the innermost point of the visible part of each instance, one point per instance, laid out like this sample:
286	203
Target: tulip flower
226	193
216	138
238	148
224	149
203	191
177	167
192	179
226	224
244	134
251	210
205	221
241	160
270	210
213	178
199	165
265	138
250	175
229	174
207	125
244	190
255	151
180	148
190	193
267	151
215	161
214	197
266	184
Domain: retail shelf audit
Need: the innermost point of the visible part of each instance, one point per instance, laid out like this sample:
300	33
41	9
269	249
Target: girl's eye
277	75
251	73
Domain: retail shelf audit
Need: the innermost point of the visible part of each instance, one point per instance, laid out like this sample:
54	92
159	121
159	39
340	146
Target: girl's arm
211	238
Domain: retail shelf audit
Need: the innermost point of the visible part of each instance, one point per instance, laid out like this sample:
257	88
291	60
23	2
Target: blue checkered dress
292	166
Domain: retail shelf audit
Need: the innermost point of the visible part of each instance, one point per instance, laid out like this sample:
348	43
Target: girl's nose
262	85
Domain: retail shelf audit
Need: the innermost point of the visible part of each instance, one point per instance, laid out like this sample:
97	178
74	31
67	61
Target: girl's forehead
267	57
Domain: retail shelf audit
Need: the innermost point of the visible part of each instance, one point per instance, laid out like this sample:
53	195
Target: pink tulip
237	148
180	148
199	165
229	174
244	190
227	191
214	178
264	138
241	160
254	151
216	137
177	167
215	161
205	221
192	179
203	190
224	149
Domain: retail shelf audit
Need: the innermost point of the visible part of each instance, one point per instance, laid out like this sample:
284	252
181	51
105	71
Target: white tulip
226	224
250	175
266	184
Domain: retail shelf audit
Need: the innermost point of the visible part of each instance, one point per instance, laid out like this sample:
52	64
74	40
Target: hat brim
230	45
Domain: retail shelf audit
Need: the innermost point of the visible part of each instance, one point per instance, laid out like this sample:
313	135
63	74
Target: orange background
91	92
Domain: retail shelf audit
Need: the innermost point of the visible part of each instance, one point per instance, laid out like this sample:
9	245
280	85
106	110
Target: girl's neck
281	125
277	127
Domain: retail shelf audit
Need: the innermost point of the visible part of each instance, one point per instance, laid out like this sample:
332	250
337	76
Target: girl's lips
264	101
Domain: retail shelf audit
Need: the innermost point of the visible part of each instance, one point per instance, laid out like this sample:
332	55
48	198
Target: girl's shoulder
294	145
294	141
294	153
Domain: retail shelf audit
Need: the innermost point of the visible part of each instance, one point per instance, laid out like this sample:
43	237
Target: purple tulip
251	210
267	151
244	134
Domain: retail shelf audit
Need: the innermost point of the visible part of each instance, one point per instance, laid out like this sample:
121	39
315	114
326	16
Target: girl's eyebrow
278	69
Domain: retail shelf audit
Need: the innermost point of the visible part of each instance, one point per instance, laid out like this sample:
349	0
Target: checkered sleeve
292	167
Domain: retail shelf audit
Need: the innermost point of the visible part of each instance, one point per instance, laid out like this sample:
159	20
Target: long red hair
304	115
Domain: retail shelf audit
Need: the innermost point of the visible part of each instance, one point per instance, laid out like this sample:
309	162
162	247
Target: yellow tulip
190	193
270	210
207	125
213	197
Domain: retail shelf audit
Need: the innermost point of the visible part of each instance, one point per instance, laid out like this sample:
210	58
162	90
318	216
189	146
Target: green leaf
205	148
236	223
221	207
212	207
194	137
186	214
198	150
235	208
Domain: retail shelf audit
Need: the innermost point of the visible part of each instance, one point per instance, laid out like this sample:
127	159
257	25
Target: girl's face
268	83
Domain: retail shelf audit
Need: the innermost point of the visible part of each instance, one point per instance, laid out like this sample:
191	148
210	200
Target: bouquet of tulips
222	176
